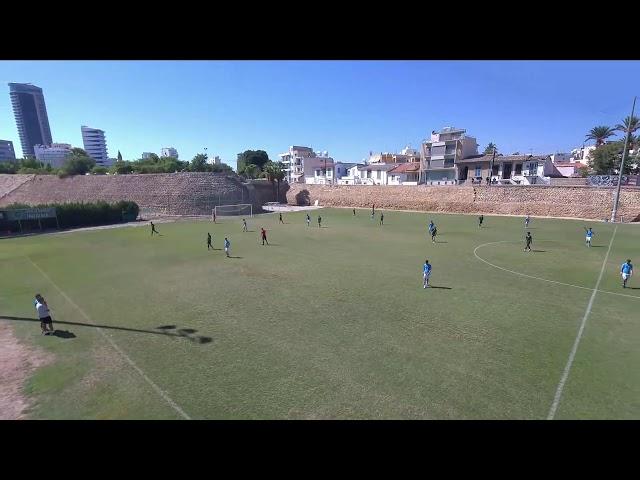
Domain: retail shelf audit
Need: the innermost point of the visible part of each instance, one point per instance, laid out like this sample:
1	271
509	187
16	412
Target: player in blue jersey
426	273
626	271
227	245
431	226
526	221
589	235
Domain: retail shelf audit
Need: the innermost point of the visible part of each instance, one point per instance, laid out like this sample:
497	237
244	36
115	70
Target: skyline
347	108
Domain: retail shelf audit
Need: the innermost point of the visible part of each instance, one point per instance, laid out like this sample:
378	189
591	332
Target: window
478	171
518	169
448	162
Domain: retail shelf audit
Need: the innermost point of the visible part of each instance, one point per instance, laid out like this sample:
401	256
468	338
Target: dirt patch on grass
17	363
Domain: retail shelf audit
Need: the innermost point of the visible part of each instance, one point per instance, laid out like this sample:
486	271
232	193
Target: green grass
331	322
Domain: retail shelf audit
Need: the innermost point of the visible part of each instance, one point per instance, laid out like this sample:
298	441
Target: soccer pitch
331	322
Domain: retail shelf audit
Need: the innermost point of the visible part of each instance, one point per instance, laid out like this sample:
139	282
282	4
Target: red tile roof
406	167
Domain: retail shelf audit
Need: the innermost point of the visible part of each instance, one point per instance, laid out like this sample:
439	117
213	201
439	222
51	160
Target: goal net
240	209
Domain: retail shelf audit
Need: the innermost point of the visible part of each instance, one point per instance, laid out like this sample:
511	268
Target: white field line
539	278
567	368
155	387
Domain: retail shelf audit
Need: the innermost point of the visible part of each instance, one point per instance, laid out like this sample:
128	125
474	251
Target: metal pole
624	154
491	169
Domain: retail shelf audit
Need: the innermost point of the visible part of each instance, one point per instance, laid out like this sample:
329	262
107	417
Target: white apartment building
293	162
406	155
560	157
169	152
146	155
581	154
95	145
54	154
319	170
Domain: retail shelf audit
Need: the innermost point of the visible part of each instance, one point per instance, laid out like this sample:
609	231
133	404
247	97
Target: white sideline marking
158	390
567	368
540	278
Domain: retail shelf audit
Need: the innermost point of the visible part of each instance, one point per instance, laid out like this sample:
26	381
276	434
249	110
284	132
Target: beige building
440	154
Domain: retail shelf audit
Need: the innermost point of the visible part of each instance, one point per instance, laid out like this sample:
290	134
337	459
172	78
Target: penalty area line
126	357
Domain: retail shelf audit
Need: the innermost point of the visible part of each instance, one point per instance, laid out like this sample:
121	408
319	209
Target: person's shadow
63	334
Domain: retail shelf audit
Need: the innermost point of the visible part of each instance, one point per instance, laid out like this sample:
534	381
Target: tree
77	164
119	156
274	172
490	148
199	163
250	171
121	168
99	170
629	124
606	159
79	152
600	134
279	176
259	158
583	171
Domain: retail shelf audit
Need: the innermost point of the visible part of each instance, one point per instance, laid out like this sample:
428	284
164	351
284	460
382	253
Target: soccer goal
244	209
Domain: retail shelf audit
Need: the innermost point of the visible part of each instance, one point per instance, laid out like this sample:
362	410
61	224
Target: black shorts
46	320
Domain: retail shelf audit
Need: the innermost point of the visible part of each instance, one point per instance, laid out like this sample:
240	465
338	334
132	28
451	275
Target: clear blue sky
346	107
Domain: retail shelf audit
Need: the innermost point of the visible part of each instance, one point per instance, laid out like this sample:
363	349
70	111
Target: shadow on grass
164	330
443	288
231	256
539	251
63	334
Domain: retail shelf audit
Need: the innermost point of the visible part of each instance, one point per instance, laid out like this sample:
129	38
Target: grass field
330	322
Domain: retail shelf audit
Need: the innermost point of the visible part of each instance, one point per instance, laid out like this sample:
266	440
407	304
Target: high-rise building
95	145
54	154
31	116
6	151
169	152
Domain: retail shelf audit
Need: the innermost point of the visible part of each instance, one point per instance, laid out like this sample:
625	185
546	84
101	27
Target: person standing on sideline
426	273
526	221
43	314
626	271
308	220
382	219
214	215
281	221
244	225
528	239
209	246
373	210
263	235
227	246
480	220
153	229
319	221
589	234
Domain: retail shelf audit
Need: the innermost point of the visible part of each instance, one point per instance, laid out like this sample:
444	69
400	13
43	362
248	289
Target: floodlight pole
624	155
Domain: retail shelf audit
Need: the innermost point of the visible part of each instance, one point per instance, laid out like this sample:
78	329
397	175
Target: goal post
240	209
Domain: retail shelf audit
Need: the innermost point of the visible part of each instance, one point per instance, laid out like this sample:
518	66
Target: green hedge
90	214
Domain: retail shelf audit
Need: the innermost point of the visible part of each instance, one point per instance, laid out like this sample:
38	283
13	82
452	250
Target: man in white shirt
43	314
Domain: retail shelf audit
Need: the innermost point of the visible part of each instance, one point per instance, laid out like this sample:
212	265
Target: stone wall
569	201
171	193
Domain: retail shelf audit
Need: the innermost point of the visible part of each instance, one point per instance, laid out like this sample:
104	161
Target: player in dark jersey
480	220
209	246
528	239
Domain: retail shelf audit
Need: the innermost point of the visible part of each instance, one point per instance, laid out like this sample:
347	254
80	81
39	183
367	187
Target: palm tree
600	134
630	124
490	148
250	171
269	173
